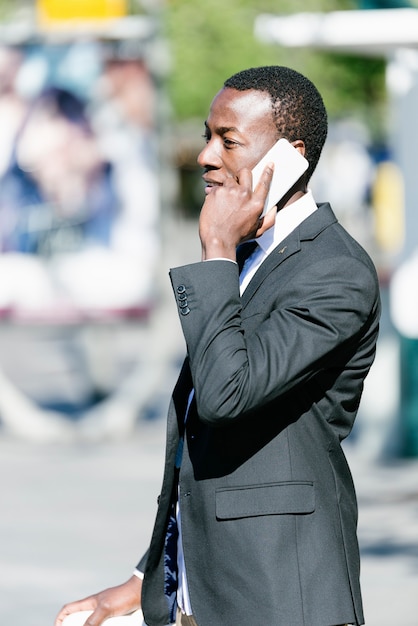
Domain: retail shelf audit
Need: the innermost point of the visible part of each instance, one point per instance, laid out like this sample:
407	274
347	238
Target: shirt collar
287	219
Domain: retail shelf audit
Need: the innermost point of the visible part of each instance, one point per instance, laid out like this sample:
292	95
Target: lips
210	184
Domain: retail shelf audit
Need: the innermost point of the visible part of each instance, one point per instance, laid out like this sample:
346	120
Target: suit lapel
309	229
286	249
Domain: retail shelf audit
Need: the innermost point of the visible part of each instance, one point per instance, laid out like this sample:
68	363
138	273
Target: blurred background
102	104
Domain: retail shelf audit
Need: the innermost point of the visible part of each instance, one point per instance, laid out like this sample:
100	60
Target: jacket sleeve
142	563
300	332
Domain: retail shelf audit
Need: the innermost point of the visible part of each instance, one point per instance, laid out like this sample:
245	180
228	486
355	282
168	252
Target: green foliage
351	86
211	40
7	9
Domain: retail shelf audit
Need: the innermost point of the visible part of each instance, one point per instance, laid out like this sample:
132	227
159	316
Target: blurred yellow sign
52	12
389	206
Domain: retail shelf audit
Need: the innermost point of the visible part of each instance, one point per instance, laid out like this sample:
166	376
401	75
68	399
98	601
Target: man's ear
299	144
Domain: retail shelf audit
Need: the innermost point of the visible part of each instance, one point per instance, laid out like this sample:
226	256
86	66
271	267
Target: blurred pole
409	396
402	82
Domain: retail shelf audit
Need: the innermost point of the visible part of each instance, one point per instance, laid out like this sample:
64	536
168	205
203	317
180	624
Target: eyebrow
221	130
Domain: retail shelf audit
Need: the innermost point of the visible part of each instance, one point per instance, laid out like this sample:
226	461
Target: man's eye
228	143
206	137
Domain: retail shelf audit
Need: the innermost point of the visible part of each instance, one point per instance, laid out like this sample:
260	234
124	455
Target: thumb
86	605
267	221
98	616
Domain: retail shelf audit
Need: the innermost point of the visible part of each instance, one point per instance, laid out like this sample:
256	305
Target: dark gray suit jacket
268	506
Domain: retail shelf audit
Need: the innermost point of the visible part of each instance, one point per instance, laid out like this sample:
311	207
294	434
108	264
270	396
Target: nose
208	158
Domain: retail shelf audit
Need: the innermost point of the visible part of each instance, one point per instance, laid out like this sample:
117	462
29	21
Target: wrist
216	249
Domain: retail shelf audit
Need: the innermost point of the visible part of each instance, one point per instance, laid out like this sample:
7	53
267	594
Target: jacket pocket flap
270	499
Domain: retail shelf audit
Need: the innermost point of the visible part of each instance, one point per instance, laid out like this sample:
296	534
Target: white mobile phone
289	165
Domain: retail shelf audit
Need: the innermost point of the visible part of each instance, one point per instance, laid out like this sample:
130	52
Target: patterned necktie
172	533
170	556
244	251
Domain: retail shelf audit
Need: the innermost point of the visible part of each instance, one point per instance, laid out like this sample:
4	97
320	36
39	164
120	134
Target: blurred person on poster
257	516
13	105
63	220
123	115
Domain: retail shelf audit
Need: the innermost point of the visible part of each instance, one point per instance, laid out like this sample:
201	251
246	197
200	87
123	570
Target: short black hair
297	106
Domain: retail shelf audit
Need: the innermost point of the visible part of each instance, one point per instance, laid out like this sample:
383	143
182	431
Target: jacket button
185	310
181	289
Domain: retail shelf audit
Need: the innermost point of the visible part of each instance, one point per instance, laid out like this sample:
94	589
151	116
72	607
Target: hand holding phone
289	165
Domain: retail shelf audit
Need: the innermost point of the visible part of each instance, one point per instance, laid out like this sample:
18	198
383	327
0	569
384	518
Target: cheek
236	160
231	166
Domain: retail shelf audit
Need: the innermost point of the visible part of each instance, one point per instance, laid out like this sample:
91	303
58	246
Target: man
262	495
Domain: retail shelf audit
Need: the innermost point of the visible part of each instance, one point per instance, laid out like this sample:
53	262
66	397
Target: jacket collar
308	230
287	219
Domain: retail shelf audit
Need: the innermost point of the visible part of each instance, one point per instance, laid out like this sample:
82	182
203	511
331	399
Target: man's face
239	131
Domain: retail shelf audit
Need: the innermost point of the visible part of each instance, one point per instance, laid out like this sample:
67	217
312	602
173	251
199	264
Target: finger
244	178
263	184
88	604
267	221
98	616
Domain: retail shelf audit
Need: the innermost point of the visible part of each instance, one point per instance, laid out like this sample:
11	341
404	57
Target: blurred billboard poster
79	194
